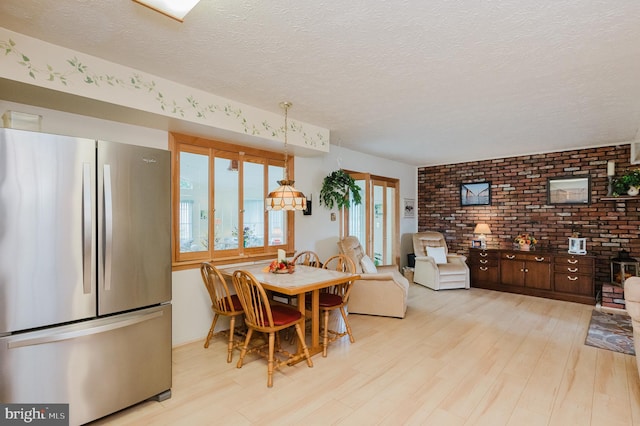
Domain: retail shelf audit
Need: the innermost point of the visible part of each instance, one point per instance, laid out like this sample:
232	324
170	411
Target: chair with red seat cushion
223	303
262	317
336	297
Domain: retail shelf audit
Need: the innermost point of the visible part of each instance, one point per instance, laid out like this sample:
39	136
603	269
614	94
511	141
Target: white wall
191	306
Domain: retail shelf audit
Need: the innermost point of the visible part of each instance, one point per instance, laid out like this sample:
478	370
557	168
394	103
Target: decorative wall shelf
621	198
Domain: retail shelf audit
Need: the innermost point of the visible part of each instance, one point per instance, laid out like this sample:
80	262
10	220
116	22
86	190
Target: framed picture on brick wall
569	190
475	194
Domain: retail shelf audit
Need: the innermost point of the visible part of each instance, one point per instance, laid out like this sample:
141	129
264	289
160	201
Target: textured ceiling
422	82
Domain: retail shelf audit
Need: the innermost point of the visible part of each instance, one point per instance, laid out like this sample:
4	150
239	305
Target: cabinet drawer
477	256
485	254
573	269
529	257
573	260
573	283
480	273
484	262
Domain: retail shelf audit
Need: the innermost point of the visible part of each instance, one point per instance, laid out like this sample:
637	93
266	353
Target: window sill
226	261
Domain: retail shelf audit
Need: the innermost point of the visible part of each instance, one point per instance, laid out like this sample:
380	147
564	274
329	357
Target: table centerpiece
282	267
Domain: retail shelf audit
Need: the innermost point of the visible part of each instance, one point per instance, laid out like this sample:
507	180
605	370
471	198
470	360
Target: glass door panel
253	204
226	202
277	219
378	224
390	226
193	214
358	216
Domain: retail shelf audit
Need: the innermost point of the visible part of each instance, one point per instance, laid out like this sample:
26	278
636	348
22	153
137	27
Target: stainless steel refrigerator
85	273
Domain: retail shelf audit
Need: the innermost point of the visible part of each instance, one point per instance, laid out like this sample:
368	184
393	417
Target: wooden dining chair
336	297
223	303
307	258
261	316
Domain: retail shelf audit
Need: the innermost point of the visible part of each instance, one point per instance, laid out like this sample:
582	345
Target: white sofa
445	271
384	293
632	302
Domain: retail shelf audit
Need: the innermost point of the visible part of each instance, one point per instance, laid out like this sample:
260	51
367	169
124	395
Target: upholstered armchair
435	267
632	302
381	290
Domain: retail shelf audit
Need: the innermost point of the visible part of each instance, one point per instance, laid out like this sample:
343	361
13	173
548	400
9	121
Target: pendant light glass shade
286	197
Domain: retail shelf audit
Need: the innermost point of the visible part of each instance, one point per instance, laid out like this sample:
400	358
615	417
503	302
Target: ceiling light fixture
286	197
176	9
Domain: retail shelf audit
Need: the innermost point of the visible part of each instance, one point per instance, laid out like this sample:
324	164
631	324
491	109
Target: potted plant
629	183
336	188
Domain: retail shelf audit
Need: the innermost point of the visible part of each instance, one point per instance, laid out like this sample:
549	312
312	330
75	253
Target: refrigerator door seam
87	228
108	227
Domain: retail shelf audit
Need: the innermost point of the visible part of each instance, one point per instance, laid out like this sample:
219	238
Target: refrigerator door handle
108	227
87	227
74	334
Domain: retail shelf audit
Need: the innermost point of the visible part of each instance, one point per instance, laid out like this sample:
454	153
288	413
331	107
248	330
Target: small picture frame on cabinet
476	244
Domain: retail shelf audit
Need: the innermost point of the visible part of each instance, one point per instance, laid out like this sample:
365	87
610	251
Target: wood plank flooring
460	357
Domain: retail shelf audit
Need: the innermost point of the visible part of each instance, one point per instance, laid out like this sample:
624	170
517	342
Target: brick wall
519	203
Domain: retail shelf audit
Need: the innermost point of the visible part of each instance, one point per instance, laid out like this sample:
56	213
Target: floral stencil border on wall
79	76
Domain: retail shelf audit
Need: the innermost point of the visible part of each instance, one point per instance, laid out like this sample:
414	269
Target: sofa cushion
368	267
438	254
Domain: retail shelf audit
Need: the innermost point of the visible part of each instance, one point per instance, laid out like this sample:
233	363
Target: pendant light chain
286	106
286	197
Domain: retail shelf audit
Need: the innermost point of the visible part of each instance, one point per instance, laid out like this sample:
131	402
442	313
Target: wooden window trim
198	145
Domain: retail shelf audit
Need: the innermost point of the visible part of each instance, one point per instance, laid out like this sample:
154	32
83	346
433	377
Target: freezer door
134	216
47	206
97	367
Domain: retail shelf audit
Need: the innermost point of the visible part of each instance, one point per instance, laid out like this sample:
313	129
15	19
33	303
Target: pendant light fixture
286	197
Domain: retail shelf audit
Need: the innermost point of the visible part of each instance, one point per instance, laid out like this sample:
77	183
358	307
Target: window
219	193
375	220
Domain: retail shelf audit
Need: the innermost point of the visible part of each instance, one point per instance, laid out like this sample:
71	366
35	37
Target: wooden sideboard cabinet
548	274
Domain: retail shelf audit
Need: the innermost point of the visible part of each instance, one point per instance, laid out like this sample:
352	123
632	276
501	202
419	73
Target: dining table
303	280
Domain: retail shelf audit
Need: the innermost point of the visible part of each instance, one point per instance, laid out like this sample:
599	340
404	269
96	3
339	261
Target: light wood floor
460	357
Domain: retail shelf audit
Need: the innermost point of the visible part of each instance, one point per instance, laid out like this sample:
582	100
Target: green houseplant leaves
336	188
622	184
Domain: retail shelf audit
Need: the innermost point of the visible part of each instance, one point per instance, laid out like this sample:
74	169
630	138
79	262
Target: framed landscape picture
569	190
475	194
